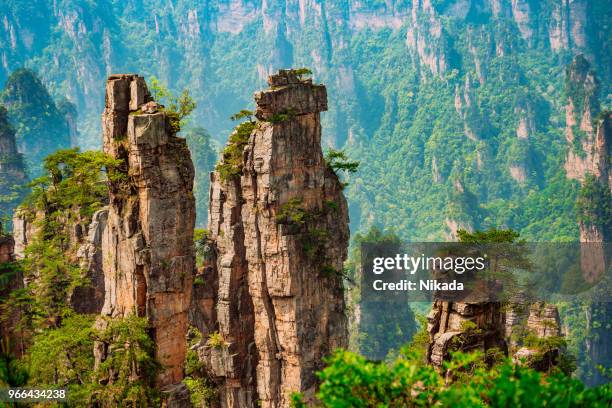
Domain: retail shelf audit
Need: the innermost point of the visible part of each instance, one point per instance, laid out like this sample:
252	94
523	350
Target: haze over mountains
448	100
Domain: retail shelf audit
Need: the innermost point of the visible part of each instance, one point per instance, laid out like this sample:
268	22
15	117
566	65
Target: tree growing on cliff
73	187
177	108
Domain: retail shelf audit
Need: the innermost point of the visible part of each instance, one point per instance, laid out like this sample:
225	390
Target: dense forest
449	120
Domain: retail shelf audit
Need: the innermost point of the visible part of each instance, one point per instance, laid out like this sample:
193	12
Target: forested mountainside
456	108
109	292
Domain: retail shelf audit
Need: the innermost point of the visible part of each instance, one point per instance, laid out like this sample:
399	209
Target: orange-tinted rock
280	300
147	245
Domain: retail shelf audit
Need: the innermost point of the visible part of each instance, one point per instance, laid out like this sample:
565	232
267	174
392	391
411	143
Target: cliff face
583	156
464	326
281	232
13	280
147	245
589	135
198	31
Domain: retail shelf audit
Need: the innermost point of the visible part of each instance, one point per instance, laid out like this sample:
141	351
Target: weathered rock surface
280	305
589	136
90	298
9	324
464	326
542	323
7	246
147	246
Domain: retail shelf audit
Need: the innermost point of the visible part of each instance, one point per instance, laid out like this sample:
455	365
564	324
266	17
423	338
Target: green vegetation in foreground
63	357
351	381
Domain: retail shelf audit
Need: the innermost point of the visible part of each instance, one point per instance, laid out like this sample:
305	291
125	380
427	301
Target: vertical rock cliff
464	326
147	245
280	226
12	280
589	135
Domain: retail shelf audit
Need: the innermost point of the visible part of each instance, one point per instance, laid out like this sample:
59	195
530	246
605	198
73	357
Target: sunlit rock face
147	245
280	305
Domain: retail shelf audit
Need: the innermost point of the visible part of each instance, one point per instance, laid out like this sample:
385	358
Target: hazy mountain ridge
458	102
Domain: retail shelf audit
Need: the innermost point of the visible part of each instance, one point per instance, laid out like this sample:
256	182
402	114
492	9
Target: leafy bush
177	108
63	357
216	340
231	164
593	204
350	380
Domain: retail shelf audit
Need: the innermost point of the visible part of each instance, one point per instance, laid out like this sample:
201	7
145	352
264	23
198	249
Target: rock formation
583	156
12	280
464	326
589	135
7	245
83	249
542	323
147	246
280	229
90	298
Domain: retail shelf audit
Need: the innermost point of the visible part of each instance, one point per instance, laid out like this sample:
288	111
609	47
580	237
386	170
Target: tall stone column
147	245
281	231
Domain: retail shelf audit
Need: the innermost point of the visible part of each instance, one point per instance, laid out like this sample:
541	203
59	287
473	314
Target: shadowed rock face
465	327
280	306
147	245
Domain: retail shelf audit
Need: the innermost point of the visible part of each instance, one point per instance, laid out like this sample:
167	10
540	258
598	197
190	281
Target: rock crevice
281	233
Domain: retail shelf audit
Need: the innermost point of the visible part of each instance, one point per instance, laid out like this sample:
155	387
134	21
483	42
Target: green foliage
73	188
350	380
593	204
41	127
201	390
243	114
216	340
283	116
384	326
127	374
491	236
177	108
231	163
73	179
63	357
293	212
301	72
12	372
338	160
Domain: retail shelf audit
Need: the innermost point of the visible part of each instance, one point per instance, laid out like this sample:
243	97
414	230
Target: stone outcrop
464	326
280	229
83	250
541	324
90	298
584	154
589	137
147	245
7	246
10	329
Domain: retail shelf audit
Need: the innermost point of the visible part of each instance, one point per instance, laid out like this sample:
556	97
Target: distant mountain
41	126
456	108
